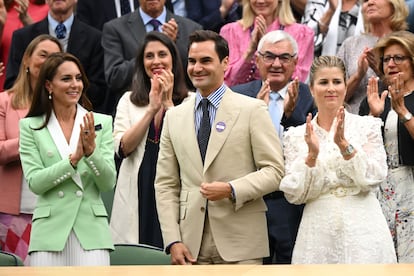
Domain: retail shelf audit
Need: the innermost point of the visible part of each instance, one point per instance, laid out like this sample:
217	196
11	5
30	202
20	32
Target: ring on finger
86	132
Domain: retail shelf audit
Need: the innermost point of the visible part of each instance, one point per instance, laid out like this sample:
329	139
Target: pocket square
98	127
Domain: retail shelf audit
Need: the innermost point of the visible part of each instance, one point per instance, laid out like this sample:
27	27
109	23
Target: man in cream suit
211	209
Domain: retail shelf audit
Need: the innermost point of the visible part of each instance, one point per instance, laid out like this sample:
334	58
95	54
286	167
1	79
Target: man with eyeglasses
289	101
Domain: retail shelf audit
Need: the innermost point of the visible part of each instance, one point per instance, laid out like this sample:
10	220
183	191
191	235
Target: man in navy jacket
80	39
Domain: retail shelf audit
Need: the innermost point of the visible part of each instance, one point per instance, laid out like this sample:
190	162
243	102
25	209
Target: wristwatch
406	117
349	150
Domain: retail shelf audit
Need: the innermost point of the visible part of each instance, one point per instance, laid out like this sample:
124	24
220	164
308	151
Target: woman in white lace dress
397	193
335	163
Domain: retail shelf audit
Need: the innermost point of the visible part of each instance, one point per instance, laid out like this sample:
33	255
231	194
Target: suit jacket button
203	209
61	194
79	193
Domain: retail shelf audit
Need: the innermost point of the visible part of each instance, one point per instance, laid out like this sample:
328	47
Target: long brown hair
141	84
41	105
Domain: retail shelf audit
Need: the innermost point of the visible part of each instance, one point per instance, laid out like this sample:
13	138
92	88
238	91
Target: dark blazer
207	13
84	43
121	39
97	15
303	106
405	141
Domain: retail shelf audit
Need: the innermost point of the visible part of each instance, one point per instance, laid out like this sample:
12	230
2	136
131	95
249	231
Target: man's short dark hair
221	46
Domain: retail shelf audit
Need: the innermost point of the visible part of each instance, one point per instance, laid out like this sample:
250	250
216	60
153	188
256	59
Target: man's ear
225	63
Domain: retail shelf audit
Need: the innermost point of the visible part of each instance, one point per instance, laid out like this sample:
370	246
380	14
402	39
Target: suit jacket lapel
42	27
60	140
187	132
226	116
75	38
136	26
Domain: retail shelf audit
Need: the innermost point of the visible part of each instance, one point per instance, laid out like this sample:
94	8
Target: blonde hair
325	62
403	38
22	88
398	17
283	13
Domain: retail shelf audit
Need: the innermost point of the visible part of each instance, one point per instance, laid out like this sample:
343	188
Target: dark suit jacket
84	43
405	141
97	15
121	39
304	104
207	13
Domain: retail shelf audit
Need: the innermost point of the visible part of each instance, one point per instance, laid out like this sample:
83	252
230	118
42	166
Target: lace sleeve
301	183
368	168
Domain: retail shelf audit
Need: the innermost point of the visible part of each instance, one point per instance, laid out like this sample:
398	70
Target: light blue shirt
146	18
280	109
179	7
68	24
214	99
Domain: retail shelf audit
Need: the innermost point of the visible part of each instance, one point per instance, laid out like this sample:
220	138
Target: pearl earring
50	95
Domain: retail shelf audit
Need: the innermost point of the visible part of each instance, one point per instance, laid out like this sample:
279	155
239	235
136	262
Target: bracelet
70	161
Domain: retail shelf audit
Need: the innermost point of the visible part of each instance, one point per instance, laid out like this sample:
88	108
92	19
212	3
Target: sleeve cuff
167	249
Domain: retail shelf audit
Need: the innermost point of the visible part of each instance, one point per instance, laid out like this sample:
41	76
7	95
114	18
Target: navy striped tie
125	7
205	129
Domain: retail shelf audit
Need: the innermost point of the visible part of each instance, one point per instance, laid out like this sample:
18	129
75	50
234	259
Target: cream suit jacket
246	153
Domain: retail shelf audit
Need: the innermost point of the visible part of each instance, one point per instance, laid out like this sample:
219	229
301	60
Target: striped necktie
204	130
125	6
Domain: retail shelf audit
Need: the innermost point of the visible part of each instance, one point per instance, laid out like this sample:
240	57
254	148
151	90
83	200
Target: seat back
9	259
140	254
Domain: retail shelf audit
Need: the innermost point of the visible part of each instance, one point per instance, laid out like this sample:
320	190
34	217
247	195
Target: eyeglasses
269	57
398	59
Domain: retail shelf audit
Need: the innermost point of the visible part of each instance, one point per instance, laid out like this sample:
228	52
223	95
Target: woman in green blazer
67	159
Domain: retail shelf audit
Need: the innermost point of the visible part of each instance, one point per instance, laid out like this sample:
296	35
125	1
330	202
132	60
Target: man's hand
170	28
180	255
215	190
264	92
291	97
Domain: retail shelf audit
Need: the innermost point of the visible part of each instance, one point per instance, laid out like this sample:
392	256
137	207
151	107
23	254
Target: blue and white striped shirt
214	99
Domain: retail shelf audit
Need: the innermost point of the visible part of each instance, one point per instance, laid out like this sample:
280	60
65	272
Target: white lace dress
342	221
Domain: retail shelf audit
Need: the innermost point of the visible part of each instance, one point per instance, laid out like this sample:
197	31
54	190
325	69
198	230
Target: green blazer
69	199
